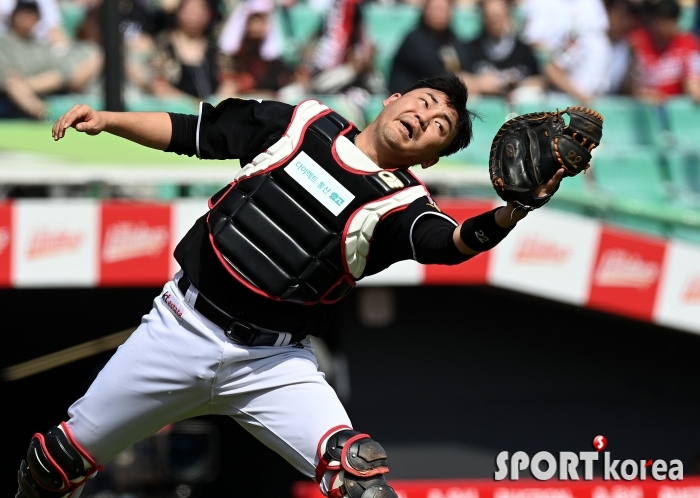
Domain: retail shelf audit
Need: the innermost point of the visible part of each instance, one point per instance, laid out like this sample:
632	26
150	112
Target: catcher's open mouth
409	128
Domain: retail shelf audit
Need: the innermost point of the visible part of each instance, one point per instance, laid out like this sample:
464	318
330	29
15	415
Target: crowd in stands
213	49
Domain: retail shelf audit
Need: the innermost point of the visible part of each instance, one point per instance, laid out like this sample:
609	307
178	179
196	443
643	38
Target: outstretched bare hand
81	117
551	185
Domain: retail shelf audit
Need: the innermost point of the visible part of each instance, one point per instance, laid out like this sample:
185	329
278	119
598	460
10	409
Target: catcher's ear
430	162
390	99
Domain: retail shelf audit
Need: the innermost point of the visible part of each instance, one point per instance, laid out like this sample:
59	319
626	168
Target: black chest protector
296	223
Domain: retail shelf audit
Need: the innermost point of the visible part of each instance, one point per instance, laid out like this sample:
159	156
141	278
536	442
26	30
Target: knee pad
360	465
56	465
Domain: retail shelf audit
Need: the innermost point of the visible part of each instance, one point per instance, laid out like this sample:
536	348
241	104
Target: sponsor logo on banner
621	268
135	244
129	240
627	273
691	292
46	242
534	249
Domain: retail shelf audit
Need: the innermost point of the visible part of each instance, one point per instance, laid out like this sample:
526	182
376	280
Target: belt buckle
241	333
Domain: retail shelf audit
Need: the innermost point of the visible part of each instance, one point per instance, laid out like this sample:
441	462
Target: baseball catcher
528	151
279	247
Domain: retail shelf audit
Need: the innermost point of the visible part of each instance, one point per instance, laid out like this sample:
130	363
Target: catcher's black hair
457	94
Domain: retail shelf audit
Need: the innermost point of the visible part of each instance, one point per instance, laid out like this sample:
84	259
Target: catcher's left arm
529	157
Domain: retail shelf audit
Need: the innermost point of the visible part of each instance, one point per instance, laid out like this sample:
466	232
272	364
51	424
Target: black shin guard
361	464
55	466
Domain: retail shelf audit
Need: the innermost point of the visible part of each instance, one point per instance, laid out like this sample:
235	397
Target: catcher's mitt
528	150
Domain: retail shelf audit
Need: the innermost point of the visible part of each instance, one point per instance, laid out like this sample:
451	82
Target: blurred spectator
29	69
49	29
343	59
668	60
551	25
622	18
429	50
497	61
138	50
185	61
596	64
251	50
571	36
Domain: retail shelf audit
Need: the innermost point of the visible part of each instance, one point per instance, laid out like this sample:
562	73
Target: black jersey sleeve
420	232
237	128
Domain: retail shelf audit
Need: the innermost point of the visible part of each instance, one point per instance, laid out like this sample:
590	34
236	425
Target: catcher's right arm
528	150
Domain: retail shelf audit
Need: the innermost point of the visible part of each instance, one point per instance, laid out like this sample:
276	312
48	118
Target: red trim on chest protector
285	158
270	168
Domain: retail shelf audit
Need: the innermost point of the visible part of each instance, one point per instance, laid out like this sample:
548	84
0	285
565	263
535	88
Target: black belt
235	329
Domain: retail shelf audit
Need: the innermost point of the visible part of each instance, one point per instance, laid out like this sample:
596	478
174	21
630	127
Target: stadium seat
628	122
466	23
633	174
305	22
687	17
686	233
684	171
374	107
548	104
684	120
633	178
388	26
60	104
493	112
302	23
183	105
72	15
575	185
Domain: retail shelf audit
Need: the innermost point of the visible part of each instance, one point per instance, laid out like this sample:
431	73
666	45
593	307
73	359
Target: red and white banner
552	254
135	244
626	274
5	247
483	488
549	254
55	243
5	240
678	301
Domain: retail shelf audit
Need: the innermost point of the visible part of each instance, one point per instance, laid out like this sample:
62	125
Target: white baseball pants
176	367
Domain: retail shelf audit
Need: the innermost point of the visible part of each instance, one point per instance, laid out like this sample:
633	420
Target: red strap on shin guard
324	464
353	471
337	492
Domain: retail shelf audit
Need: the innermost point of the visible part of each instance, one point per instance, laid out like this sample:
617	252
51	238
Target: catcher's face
413	128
